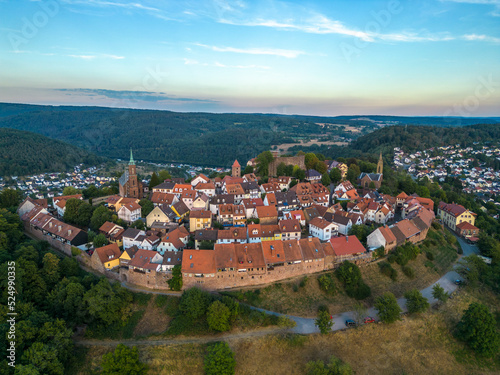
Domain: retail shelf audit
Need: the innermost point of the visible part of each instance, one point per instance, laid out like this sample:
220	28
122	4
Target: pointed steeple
380	164
131	162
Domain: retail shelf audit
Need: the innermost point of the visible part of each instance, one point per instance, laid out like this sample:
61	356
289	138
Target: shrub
323	322
303	282
161	301
75	251
295	287
387	270
416	302
218	316
359	291
219	360
409	272
285	322
429	255
436	225
327	284
123	360
388	308
391	258
323	308
460	251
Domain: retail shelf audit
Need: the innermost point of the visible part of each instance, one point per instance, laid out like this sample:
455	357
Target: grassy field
291	298
416	345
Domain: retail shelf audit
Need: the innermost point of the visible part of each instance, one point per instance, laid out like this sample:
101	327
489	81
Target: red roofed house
381	237
106	257
236	169
467	230
130	212
324	230
267	214
349	248
454	214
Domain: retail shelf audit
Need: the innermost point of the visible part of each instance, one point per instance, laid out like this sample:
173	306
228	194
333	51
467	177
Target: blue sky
429	57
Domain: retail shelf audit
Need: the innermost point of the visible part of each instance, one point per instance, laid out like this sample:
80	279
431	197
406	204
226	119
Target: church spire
380	165
131	162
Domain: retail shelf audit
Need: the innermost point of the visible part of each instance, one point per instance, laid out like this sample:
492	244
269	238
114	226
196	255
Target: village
469	164
239	231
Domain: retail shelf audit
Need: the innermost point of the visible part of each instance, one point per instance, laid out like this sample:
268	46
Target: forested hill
25	153
195	138
412	138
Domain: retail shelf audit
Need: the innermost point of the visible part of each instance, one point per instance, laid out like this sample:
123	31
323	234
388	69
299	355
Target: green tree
70	190
348	273
175	283
10	198
388	308
44	359
100	240
263	160
320	167
100	215
335	175
299	174
139	224
84	214
281	169
50	270
327	284
155	181
218	316
71	210
325	179
146	207
123	361
334	367
416	302
324	322
107	304
478	329
248	169
439	293
219	360
310	160
194	303
360	312
353	173
164	175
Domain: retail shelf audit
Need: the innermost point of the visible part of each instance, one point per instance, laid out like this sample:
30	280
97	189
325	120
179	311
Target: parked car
458	282
369	319
350	323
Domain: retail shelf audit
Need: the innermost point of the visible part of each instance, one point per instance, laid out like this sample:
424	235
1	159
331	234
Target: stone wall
152	280
62	247
290	160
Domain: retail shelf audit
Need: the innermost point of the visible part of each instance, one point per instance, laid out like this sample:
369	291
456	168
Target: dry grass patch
154	321
179	360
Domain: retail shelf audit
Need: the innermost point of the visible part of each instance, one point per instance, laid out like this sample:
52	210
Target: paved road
304	325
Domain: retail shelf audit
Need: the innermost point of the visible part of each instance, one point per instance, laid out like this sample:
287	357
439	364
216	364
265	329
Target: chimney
69	232
310	238
60	227
347	238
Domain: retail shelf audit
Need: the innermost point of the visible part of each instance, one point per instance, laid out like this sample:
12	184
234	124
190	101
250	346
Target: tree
439	293
44	359
164	175
84	214
320	167
310	160
138	224
146	207
100	240
478	329
70	190
194	303
325	179
50	270
71	210
10	198
248	169
299	174
218	315
348	273
219	360
100	215
353	173
327	284
155	181
263	160
335	175
281	169
175	283
106	303
416	302
324	322
388	308
123	361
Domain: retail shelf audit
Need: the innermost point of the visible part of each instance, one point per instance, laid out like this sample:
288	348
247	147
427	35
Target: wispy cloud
83	57
496	3
484	38
146	96
220	65
101	3
290	54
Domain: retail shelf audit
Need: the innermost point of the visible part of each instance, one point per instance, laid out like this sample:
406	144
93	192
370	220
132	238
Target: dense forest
412	138
23	153
196	138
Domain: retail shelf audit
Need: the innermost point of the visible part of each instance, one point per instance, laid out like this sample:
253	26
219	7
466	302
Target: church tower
134	190
380	165
236	169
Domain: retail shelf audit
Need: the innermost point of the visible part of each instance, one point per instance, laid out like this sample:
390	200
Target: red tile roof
108	253
349	245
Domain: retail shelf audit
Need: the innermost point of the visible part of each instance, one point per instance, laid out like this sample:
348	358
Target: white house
322	229
130	212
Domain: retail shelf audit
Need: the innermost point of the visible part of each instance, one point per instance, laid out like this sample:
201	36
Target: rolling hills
23	153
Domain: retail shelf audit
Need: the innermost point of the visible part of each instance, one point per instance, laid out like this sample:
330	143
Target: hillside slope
23	153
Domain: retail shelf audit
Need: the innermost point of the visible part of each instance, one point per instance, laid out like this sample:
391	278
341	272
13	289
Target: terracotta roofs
289	225
273	252
200	214
320	223
143	259
109	252
266	212
225	256
349	245
311	248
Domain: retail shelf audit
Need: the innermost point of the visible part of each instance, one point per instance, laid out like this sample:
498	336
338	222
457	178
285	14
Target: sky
331	57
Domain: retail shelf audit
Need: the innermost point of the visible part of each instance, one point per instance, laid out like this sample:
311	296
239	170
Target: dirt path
182	340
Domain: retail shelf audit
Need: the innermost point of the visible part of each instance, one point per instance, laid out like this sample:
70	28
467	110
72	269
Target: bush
75	251
218	316
303	282
460	251
161	301
324	322
388	308
285	322
409	272
327	284
123	360
416	302
436	225
391	258
429	255
387	270
219	360
323	308
359	291
142	299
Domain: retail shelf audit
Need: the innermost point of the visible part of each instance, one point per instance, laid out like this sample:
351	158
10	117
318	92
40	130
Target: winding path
304	325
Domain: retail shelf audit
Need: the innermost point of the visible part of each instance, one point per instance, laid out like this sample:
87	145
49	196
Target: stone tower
236	170
133	185
380	165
